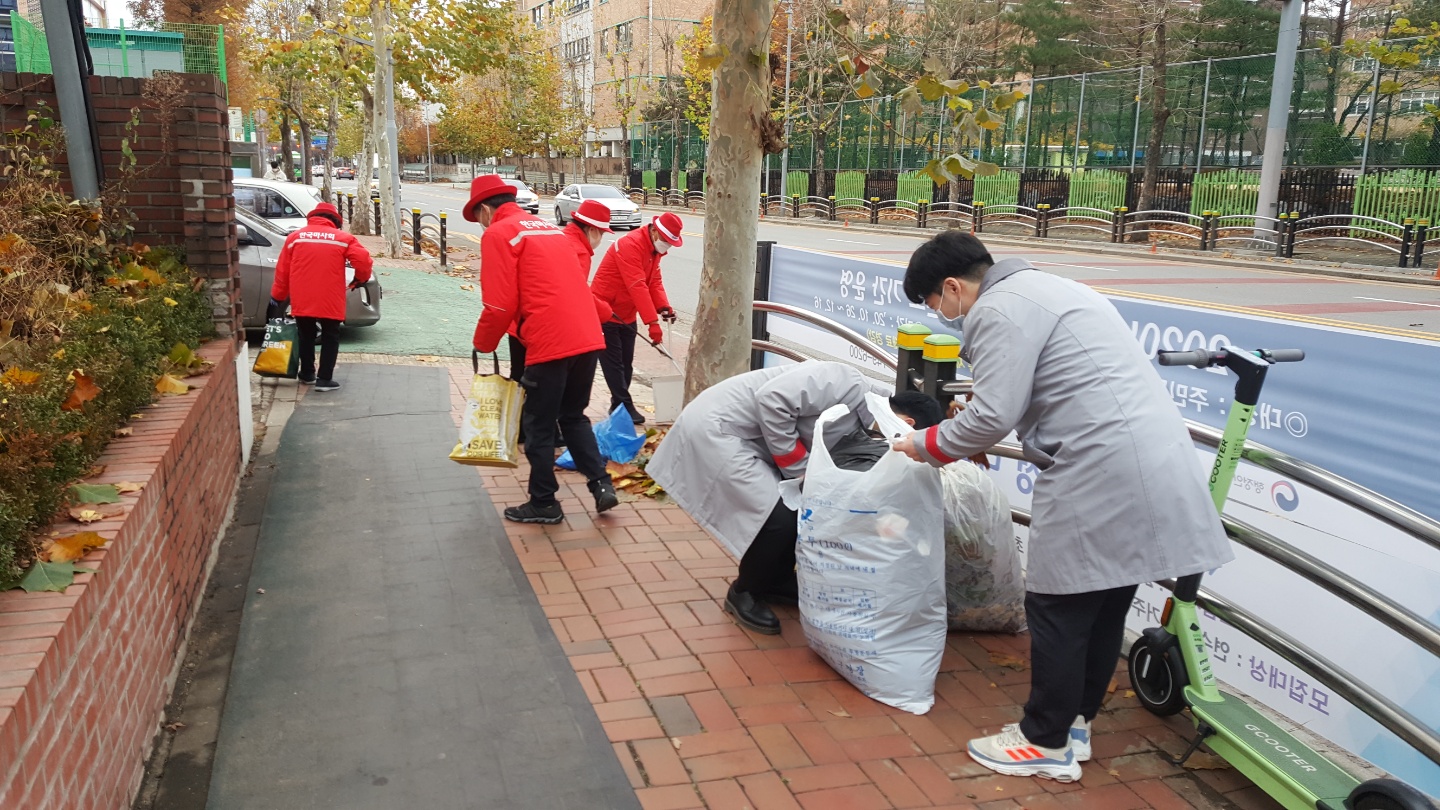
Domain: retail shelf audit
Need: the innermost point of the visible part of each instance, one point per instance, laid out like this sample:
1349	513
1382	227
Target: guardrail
936	376
425	229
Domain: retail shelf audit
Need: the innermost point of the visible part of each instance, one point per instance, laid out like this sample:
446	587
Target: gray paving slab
397	657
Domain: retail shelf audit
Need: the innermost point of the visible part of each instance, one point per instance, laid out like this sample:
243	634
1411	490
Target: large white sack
870	560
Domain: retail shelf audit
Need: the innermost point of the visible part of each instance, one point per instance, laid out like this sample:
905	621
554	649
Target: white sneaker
1009	753
1080	738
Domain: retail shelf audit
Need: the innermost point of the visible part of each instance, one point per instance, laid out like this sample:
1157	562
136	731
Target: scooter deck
1287	769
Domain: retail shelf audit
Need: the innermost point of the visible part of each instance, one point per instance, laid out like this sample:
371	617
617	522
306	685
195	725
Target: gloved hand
667	314
656	333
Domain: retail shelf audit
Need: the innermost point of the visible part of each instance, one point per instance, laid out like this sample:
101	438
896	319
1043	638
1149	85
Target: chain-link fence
175	48
1216	116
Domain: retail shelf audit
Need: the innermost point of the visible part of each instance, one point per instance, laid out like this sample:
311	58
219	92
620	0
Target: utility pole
785	156
1281	88
72	92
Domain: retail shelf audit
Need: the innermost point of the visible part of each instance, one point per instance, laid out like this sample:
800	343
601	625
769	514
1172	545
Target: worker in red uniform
529	276
311	274
629	282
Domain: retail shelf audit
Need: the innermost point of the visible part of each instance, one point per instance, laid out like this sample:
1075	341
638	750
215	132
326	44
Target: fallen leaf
85	390
65	549
259	590
841	713
1129	693
170	385
1201	761
677	742
95	493
129	486
171	302
94	512
19	376
1009	661
51	576
123	432
467	287
174	727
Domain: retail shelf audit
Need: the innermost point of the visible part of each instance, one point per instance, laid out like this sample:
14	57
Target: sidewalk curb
1360	272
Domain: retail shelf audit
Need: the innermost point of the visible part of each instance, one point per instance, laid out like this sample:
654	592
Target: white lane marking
1081	266
1395	301
852	242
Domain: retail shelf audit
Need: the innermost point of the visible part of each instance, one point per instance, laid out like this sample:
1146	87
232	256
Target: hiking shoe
327	385
1080	738
308	379
530	512
605	497
751	613
1009	753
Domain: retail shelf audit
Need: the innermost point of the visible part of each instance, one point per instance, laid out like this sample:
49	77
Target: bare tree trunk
389	208
721	344
287	145
305	157
364	219
1160	113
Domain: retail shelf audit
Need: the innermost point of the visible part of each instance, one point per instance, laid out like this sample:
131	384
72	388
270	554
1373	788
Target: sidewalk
702	714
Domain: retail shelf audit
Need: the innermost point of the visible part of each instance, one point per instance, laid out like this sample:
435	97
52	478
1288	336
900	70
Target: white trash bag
870	560
984	585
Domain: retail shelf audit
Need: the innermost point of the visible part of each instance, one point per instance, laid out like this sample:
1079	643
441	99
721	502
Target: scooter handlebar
1283	355
1198	358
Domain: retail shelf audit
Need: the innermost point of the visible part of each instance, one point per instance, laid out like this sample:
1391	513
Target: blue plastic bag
617	438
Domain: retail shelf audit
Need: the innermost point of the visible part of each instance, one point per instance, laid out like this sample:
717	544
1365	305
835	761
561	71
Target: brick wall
84	675
181	192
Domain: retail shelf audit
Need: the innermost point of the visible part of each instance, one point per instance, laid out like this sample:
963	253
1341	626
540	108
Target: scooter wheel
1387	794
1158	677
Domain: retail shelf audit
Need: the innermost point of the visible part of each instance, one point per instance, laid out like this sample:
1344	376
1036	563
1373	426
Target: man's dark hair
950	254
921	407
497	200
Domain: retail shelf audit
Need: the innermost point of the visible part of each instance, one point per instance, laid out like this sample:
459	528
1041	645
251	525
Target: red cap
668	225
326	210
594	212
483	188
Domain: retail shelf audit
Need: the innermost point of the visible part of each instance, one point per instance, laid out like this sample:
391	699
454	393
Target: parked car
344	173
260	243
623	213
318	170
525	197
284	204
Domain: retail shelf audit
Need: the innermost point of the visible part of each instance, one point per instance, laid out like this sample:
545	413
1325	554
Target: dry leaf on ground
1009	661
170	385
64	549
85	390
1201	761
96	512
129	486
121	433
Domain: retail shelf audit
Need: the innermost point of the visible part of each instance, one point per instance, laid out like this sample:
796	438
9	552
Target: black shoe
605	497
751	613
530	512
635	416
327	385
789	599
308	379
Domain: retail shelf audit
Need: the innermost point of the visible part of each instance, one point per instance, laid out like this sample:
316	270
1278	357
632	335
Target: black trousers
1075	644
618	363
559	391
329	332
768	566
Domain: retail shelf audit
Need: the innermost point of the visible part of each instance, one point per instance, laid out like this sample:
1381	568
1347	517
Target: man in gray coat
724	459
1120	499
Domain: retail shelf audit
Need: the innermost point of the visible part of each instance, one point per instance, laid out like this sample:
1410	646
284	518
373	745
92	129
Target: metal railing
1357	594
425	230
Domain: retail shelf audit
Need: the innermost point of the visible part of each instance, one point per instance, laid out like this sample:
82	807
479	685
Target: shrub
86	324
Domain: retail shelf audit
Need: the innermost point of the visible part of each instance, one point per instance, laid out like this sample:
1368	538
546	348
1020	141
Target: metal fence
1218	115
175	48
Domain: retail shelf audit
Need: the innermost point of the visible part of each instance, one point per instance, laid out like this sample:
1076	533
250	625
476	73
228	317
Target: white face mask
662	247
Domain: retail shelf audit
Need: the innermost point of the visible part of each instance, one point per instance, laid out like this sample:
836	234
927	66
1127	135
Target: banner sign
1364	405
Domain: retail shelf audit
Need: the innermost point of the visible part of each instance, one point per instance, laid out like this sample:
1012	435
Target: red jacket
629	278
528	274
586	255
311	269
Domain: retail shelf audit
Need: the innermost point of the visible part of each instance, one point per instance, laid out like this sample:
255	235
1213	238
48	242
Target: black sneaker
327	385
531	513
751	613
605	497
307	379
636	417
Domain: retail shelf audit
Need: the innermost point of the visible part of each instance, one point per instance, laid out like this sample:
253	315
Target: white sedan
285	205
624	214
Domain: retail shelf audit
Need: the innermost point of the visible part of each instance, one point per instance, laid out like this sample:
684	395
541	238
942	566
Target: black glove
667	314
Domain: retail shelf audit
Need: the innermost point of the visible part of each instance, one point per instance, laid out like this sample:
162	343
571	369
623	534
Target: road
1382	306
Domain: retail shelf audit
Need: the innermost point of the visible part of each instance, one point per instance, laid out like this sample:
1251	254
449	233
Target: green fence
175	48
1000	189
1230	192
850	185
1100	188
797	183
914	187
1397	195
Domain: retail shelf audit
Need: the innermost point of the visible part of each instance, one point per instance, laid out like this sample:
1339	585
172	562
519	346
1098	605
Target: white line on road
852	242
1081	266
1394	301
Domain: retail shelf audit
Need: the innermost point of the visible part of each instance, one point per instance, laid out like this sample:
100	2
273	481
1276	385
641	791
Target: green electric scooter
1170	666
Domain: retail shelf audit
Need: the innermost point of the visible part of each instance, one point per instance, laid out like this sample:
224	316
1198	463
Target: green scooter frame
1170	667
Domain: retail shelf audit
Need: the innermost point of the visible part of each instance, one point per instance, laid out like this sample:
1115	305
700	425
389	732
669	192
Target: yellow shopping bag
278	356
490	431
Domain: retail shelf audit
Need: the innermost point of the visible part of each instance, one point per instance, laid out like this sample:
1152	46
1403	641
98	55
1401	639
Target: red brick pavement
702	714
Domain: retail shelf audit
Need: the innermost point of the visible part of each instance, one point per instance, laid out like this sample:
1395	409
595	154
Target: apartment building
614	54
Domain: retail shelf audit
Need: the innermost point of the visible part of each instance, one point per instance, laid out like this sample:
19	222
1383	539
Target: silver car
525	197
260	244
624	214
